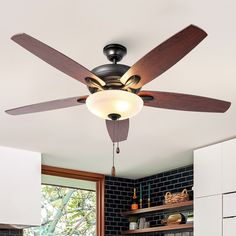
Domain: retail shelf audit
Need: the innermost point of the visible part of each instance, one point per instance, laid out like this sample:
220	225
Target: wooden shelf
182	227
181	205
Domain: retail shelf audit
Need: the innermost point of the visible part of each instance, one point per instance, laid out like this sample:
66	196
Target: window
72	204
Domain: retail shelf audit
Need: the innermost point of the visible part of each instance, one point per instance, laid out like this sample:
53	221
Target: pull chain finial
117	148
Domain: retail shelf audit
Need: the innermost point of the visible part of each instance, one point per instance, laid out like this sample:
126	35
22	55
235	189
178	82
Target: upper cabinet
214	178
20	181
215	169
229	166
207	171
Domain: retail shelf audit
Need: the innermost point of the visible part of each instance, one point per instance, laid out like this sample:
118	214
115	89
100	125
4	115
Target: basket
171	198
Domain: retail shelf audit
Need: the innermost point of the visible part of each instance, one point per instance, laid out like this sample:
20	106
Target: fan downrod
114	52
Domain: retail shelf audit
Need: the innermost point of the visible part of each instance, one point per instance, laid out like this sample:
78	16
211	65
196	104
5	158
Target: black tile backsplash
118	193
117	199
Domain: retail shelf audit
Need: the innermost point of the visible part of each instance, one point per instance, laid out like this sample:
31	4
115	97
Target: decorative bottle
134	204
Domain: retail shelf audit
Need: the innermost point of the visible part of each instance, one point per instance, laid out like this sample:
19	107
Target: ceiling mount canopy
115	52
116	89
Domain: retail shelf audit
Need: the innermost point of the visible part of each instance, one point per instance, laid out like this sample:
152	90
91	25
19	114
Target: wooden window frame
99	179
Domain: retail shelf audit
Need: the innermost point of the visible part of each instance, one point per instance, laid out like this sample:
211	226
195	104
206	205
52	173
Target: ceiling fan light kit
116	89
105	103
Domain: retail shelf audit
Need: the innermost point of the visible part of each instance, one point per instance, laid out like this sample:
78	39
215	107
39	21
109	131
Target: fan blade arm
48	106
164	56
55	58
118	130
184	102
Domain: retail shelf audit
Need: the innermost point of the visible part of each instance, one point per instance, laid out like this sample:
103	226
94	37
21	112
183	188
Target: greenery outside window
70	206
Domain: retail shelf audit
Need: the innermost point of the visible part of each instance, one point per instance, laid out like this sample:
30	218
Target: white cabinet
20	183
214	179
229	205
229	166
229	226
208	216
207	171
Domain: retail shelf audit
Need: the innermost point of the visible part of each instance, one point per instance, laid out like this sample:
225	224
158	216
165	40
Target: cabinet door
228	166
208	216
20	181
229	205
229	226
207	171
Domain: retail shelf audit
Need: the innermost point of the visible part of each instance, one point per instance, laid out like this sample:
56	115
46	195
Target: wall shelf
180	227
179	206
172	207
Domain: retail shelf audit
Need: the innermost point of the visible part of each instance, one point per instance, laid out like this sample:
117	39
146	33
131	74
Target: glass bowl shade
119	102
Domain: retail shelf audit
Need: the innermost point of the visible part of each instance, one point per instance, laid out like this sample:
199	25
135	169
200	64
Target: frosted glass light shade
120	102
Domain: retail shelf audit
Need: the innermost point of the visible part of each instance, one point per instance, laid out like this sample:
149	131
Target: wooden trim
76	174
100	188
171	228
180	205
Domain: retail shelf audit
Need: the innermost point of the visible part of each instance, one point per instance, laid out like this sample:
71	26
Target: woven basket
171	198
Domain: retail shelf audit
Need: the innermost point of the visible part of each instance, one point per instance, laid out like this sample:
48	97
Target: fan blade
55	58
185	102
164	56
118	130
47	106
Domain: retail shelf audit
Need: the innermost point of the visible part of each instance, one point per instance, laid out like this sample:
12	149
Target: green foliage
66	212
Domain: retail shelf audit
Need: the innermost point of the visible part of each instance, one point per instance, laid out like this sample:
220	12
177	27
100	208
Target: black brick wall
118	193
117	199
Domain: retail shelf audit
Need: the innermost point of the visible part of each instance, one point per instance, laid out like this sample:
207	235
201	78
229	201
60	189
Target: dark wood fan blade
185	102
118	130
55	58
47	106
165	55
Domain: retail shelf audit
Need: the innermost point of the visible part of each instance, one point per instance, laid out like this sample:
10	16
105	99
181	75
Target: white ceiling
73	138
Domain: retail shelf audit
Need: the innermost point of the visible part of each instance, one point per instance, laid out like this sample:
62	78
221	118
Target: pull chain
113	169
117	144
115	132
113	154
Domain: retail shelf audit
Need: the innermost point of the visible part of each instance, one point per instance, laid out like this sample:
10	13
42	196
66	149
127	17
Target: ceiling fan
115	89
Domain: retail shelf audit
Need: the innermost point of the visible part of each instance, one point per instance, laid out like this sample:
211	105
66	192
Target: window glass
68	208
